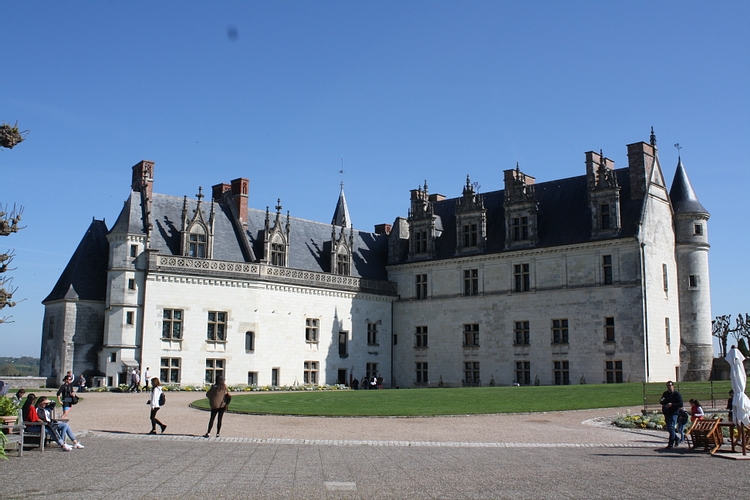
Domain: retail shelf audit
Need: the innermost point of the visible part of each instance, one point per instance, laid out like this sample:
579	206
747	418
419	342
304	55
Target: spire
684	199
341	214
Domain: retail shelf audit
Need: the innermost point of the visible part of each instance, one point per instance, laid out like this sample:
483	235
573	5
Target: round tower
691	231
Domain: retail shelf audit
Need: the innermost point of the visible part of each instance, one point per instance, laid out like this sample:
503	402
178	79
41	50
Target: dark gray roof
310	242
682	195
341	213
564	215
85	276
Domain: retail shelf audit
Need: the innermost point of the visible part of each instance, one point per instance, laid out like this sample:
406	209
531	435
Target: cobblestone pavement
548	455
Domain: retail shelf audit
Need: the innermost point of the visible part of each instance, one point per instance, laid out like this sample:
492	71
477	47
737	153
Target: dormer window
471	235
197	247
604	213
278	257
520	228
420	242
342	264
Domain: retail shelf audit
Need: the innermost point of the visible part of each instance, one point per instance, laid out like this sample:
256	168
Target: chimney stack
240	188
640	165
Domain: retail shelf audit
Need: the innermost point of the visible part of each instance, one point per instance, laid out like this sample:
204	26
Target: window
275	376
249	341
343	338
523	372
214	368
422	374
371	370
693	281
667	333
133	250
613	370
169	371
471	281
604	213
311	329
113	357
420	242
521	274
607	269
471	236
562	373
420	282
172	324
278	254
129	317
372	333
131	284
420	337
665	277
197	247
521	332
342	264
698	229
520	228
559	331
471	372
51	328
471	335
252	378
311	373
217	326
395	339
609	329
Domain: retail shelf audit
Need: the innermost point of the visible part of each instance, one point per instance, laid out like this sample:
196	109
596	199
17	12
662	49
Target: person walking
146	378
219	398
671	402
135	379
156	402
65	395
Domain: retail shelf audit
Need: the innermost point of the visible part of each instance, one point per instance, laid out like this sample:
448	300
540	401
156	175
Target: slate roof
564	216
85	276
310	242
682	195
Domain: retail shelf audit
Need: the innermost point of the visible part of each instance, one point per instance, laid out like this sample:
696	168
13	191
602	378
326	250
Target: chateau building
599	278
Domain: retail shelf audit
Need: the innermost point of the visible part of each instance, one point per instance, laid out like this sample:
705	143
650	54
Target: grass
430	402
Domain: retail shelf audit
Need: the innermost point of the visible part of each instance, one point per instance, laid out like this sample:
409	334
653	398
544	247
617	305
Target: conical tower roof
684	199
341	214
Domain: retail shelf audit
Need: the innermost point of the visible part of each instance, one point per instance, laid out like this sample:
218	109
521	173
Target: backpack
682	417
162	399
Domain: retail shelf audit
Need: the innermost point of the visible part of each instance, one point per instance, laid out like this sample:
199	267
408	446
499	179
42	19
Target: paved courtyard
549	455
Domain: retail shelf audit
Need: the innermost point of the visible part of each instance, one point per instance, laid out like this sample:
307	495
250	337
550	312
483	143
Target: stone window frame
311	372
422	373
560	331
471	282
561	371
215	367
172	324
472	373
607	270
421	337
217	326
420	286
522	277
312	330
613	372
471	335
609	330
521	333
523	372
170	369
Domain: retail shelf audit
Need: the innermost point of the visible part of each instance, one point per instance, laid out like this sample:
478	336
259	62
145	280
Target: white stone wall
276	314
566	283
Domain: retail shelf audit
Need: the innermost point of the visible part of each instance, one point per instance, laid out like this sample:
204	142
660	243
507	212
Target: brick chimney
383	229
217	191
143	177
240	192
640	165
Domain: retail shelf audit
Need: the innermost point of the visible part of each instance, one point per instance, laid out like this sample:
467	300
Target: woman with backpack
156	402
219	398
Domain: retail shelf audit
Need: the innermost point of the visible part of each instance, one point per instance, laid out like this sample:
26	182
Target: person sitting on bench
30	414
62	428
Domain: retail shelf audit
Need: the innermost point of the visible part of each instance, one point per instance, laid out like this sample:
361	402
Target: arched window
342	262
278	252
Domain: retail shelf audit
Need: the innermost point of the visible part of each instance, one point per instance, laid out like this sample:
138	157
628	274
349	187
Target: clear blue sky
401	91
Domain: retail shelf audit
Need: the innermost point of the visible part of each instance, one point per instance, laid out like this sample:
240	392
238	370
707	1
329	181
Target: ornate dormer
471	221
197	234
521	211
341	251
604	195
276	239
424	226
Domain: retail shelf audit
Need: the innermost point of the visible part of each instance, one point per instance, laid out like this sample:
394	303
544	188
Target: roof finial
653	137
342	173
278	205
677	145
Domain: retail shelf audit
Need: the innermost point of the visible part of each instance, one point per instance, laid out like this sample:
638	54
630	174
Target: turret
691	232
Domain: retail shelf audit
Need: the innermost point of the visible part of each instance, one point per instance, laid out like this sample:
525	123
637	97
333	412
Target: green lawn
427	402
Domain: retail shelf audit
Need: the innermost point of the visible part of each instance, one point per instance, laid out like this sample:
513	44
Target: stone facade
590	279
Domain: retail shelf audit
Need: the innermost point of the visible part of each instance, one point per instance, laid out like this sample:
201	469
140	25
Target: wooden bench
14	434
38	437
705	434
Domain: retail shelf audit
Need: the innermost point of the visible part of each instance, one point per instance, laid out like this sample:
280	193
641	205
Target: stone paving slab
549	455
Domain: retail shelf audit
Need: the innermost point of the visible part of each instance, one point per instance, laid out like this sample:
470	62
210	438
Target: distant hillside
19	367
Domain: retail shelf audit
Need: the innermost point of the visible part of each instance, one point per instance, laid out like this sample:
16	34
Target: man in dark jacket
671	402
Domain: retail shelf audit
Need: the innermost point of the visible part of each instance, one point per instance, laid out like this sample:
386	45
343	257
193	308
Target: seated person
61	428
30	415
19	396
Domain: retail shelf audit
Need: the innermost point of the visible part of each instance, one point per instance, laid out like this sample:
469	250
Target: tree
721	329
9	137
